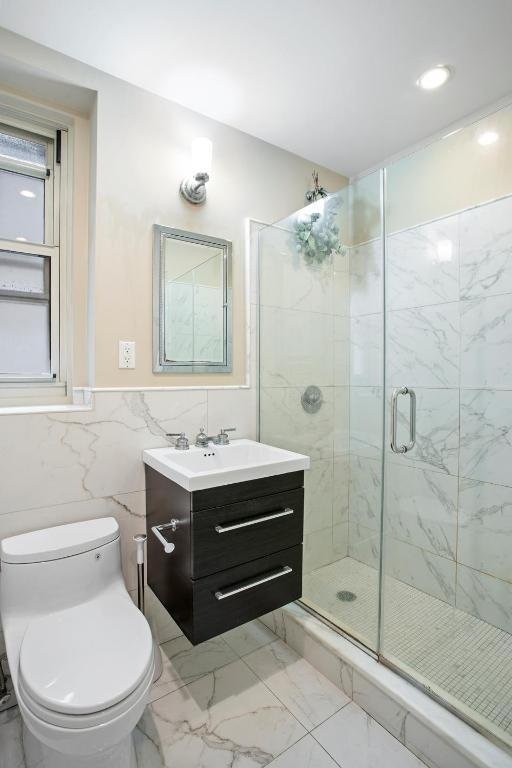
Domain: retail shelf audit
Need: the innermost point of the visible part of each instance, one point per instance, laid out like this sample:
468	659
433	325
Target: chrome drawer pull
254	521
222	594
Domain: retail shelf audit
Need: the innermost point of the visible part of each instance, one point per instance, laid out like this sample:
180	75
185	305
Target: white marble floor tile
11	740
306	753
249	637
227	718
356	740
303	690
183	663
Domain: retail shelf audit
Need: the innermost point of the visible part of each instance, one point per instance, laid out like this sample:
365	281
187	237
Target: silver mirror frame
160	365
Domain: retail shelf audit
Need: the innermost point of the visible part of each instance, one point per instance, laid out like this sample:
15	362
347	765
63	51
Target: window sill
9	410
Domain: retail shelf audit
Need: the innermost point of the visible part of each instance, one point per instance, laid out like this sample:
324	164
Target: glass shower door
447	519
321	385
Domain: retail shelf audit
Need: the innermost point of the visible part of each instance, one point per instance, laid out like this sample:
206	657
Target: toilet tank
57	567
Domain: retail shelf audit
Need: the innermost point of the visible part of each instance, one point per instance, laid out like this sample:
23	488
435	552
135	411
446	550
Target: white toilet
79	651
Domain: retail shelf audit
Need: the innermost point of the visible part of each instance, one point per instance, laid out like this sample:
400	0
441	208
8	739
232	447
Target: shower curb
425	727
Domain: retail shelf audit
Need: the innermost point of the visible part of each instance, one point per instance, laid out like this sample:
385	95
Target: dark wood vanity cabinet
238	550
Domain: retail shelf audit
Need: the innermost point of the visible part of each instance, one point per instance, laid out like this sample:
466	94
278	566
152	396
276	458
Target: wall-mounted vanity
234	514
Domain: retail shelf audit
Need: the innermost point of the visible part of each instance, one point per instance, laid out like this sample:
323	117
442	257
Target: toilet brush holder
140	540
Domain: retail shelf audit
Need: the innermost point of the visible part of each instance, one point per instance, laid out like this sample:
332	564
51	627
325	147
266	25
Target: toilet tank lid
59	541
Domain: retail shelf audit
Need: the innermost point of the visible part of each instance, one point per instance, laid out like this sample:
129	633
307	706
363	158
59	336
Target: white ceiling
332	80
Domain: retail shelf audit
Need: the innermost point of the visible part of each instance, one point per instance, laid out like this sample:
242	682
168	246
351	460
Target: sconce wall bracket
193	188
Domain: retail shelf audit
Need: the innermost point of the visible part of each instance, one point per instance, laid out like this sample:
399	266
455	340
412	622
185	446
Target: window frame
57	202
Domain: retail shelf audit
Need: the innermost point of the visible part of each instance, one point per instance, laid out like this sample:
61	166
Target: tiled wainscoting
61	467
426	728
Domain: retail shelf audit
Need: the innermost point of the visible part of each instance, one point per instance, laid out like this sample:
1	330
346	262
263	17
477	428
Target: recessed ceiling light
22	239
27	193
434	78
488	137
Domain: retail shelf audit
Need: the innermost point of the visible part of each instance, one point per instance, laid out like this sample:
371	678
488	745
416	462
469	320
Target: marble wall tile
423	265
420	569
129	509
486	342
296	348
340	540
318	495
366	279
88	454
341	476
423	346
366	421
341	293
366	351
308	695
364	544
485	527
355	739
437	430
486	435
365	492
317	549
486	249
341	351
228	717
341	435
485	597
421	509
236	405
287	281
284	422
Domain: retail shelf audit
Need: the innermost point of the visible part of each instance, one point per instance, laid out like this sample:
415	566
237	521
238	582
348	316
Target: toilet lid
86	658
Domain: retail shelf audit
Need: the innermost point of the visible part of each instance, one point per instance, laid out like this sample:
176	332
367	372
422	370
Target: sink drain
346	596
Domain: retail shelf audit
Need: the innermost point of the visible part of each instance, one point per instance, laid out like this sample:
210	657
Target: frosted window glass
24	337
16	148
22	272
21	207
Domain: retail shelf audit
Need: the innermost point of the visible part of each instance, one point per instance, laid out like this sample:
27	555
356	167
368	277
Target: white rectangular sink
241	460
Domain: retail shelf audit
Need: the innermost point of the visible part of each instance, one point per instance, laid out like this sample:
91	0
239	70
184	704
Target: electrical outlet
127	354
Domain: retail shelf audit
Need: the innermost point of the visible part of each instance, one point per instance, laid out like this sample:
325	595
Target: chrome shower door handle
404	448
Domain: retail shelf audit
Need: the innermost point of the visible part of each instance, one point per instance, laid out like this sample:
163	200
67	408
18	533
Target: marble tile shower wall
304	328
448	521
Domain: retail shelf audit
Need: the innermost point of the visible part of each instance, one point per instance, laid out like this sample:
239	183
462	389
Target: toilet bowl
79	651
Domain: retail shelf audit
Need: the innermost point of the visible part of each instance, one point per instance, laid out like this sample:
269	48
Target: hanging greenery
316	234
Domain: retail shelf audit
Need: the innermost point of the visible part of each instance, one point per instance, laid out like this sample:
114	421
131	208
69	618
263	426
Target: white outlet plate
127	354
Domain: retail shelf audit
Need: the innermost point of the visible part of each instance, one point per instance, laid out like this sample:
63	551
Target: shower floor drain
346	596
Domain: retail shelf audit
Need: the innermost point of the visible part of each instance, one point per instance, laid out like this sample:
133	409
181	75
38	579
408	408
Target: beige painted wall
140	154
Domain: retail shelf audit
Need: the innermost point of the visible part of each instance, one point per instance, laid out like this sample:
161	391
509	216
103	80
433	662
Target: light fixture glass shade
201	151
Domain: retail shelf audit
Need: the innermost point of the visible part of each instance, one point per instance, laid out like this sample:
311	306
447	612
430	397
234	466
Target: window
32	210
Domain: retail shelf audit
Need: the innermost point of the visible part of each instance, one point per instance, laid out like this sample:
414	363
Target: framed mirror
192	310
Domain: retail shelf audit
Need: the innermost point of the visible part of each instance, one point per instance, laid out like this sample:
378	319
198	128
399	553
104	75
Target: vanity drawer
227	536
232	597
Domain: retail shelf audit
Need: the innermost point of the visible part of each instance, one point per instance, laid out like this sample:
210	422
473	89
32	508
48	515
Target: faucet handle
181	443
223	438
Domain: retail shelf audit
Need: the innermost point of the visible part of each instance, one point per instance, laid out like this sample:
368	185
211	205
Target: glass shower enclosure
385	354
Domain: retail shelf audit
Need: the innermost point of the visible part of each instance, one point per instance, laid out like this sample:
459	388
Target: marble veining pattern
423	346
486	435
486	342
423	265
486	249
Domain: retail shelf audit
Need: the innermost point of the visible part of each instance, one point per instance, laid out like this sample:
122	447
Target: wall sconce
193	188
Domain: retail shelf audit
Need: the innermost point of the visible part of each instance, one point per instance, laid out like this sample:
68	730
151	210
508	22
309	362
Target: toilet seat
86	659
80	722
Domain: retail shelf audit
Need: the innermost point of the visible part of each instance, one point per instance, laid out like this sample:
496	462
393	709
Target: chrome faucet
202	439
180	442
